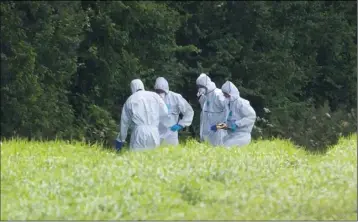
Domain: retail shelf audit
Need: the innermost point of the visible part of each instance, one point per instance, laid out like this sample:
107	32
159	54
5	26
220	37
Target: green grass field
262	181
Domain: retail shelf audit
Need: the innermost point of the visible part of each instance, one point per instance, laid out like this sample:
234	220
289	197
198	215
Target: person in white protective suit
241	118
176	104
214	110
142	110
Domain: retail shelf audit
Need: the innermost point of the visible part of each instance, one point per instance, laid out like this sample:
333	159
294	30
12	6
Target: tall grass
265	180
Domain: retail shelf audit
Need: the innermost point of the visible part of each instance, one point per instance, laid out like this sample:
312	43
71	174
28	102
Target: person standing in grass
241	118
143	109
214	110
176	104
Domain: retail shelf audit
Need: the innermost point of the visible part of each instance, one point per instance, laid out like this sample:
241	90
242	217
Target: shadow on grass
315	150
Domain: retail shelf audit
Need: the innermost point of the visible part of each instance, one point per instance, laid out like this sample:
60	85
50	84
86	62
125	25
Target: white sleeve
187	111
202	100
221	102
163	109
248	115
125	121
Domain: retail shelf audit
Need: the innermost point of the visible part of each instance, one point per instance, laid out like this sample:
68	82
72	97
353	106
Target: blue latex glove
233	127
213	128
119	145
176	127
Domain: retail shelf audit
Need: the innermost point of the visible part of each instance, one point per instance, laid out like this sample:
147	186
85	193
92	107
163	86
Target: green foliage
267	180
312	128
38	59
59	60
99	126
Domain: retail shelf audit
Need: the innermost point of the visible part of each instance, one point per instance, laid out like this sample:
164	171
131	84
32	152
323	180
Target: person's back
170	125
143	110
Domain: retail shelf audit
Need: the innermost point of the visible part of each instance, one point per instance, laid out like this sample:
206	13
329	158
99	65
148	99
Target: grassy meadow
267	180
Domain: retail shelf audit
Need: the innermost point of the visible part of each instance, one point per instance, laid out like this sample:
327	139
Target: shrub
99	126
307	126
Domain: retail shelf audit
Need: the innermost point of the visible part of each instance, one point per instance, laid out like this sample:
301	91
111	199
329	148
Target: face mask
228	97
162	95
201	91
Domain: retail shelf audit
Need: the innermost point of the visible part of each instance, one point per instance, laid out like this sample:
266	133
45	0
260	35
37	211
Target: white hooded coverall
176	104
214	110
241	114
142	110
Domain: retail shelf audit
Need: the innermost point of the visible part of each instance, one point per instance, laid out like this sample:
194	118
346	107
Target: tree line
66	65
